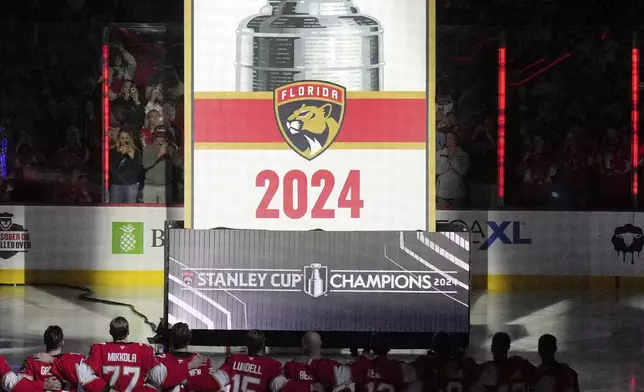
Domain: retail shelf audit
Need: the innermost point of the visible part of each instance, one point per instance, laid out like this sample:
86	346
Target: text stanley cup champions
326	40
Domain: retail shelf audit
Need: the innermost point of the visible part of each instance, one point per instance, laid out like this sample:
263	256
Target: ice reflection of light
550	319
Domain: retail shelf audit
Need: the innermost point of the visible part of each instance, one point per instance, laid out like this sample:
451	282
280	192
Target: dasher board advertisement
322	281
310	114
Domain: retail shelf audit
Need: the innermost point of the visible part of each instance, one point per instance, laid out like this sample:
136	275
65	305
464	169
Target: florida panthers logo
188	278
309	115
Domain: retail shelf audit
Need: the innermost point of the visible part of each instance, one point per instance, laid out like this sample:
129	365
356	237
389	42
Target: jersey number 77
117	371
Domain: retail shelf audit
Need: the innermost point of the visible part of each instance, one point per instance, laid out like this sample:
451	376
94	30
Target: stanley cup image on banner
327	40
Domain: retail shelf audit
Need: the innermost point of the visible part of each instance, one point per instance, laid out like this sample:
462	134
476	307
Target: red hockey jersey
439	375
514	374
331	374
176	364
11	382
244	373
72	368
126	366
381	374
557	377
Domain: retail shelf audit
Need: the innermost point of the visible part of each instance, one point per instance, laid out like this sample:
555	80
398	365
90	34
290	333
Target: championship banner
363	281
310	114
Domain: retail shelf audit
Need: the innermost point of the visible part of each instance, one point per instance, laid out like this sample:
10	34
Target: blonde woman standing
125	169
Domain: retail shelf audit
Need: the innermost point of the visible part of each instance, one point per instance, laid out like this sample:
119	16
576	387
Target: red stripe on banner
365	120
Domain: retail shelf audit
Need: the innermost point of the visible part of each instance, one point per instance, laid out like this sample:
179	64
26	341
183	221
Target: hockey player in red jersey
76	374
126	366
381	373
11	382
331	374
174	361
251	372
442	371
504	374
553	376
33	368
69	368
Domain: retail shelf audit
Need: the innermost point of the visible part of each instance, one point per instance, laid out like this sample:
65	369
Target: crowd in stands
568	115
146	124
51	140
120	365
568	131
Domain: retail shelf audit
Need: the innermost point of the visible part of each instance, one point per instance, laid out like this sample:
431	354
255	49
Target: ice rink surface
600	335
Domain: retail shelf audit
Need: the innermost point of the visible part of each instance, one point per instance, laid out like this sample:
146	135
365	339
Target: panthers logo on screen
309	115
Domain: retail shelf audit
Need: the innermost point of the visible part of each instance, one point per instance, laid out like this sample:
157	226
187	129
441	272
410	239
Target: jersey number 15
244	383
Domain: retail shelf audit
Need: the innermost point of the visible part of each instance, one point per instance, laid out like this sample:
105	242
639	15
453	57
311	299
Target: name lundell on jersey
247	367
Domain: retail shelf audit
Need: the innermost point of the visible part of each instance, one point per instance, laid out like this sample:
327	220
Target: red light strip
529	66
542	70
635	114
106	121
501	124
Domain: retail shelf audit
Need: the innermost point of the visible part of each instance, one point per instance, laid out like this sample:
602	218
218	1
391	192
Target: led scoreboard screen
305	115
411	281
310	115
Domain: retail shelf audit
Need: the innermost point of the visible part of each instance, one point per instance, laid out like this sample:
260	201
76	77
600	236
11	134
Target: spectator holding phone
152	119
125	169
122	68
160	158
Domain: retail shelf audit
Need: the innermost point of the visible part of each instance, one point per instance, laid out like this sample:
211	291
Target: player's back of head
255	342
311	342
53	337
119	328
500	345
547	346
442	344
180	335
379	344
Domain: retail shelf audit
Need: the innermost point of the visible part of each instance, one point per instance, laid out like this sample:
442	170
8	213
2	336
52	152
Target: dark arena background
535	109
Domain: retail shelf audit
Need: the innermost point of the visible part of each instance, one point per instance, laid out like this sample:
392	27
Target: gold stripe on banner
335	146
188	97
431	112
350	95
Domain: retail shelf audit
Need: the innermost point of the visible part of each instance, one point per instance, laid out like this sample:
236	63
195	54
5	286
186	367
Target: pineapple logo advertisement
127	238
310	114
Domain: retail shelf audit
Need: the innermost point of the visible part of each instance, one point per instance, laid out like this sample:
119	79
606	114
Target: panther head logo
309	115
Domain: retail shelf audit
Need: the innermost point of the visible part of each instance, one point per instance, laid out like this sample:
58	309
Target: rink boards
511	250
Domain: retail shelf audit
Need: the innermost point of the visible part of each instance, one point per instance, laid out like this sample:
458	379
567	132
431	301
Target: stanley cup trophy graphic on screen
325	40
316	285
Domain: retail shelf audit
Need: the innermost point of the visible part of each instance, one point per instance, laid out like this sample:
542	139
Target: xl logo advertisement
488	233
